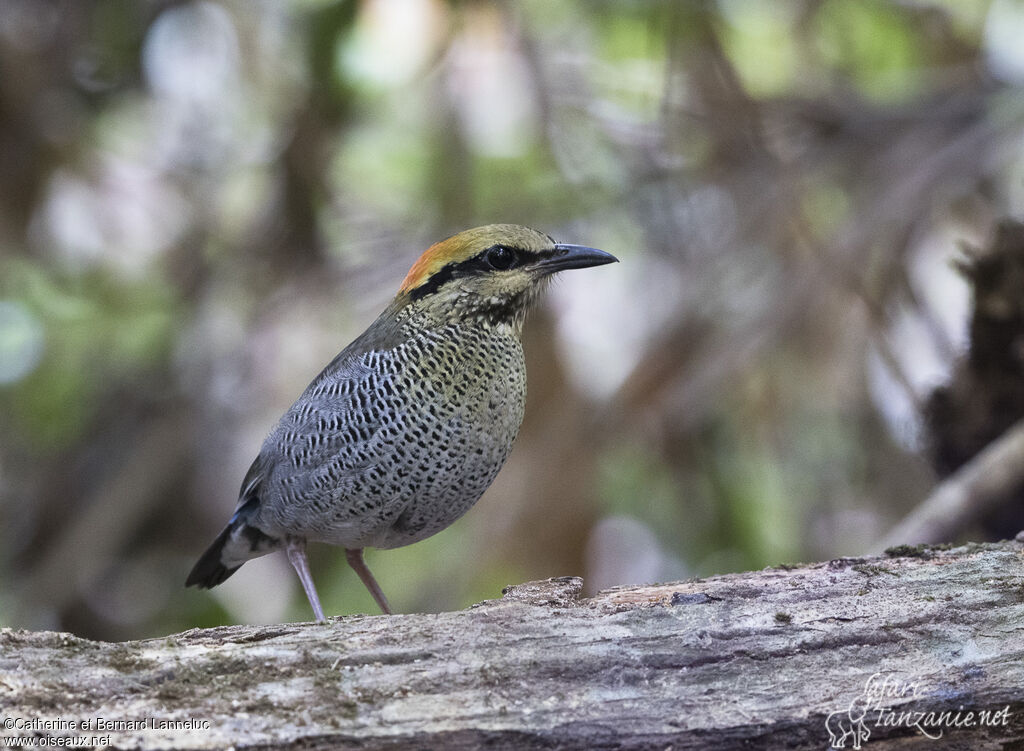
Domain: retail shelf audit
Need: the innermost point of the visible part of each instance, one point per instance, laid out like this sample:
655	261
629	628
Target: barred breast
391	444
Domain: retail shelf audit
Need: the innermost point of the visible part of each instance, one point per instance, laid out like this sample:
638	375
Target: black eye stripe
481	263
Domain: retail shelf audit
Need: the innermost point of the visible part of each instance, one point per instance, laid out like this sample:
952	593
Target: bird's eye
501	258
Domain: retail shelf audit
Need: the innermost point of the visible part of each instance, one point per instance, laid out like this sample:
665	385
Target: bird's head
491	274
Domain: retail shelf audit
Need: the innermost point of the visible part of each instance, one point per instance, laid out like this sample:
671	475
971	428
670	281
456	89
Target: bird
406	428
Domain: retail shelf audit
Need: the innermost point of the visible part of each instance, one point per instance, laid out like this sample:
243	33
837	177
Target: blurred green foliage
204	201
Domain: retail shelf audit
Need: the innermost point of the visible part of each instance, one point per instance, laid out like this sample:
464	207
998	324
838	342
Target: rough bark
753	660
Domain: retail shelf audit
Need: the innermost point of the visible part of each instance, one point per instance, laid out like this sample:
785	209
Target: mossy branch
780	657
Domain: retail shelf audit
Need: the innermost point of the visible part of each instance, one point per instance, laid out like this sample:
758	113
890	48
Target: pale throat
503	311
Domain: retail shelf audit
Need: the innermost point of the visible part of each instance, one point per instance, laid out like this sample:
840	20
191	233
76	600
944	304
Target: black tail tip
209	576
209	571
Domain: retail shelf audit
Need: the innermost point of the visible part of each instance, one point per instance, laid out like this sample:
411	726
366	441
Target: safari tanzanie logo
889	702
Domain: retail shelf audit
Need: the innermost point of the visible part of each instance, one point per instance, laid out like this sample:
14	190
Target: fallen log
882	652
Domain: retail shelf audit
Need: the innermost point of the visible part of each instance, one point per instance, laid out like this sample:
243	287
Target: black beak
573	257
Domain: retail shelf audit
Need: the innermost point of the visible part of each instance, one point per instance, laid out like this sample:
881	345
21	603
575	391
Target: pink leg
354	556
296	549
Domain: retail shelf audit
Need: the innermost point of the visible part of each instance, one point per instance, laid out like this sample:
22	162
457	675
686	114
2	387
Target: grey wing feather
326	449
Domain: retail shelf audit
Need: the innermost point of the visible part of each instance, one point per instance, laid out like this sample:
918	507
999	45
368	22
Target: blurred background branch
980	487
202	202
